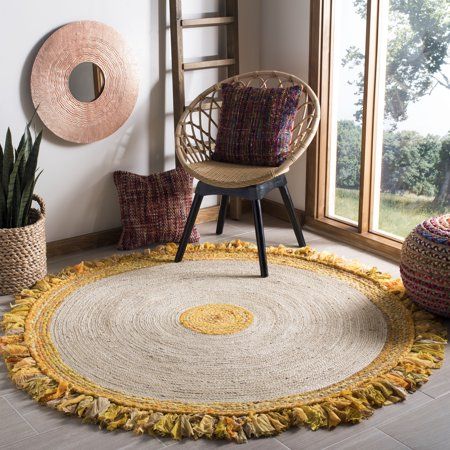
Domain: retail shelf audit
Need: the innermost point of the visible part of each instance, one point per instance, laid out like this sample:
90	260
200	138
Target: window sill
348	234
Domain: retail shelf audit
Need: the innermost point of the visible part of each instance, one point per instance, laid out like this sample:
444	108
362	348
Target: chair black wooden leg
188	227
222	214
291	211
259	229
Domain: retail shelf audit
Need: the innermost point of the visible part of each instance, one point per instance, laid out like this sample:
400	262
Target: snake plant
18	177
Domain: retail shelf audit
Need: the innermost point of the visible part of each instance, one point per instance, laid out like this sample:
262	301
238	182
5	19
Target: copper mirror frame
73	44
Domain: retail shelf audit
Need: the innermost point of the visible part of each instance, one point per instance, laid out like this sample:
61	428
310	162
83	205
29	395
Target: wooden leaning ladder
230	61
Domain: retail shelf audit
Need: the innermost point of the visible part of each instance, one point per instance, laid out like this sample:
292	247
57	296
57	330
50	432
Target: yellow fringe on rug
349	406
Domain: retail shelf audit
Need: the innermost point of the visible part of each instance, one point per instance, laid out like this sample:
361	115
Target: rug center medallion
216	318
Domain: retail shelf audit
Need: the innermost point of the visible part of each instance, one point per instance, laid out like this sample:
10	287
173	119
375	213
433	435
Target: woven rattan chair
195	142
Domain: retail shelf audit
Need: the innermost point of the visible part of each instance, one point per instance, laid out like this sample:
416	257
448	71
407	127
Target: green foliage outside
348	154
415	176
411	163
399	214
416	54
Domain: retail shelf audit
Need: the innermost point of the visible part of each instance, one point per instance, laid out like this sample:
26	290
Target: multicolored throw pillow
154	208
255	126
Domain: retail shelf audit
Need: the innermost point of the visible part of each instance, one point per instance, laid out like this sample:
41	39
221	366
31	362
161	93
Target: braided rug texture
206	349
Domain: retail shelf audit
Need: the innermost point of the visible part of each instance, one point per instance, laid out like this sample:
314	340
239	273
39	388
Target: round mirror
66	93
86	82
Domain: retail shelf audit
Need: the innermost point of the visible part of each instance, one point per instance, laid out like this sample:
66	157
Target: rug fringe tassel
353	406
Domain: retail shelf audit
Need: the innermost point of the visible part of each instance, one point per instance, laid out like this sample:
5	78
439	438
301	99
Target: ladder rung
209	63
206	22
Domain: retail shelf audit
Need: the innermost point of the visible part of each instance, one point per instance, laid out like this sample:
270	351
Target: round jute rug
206	348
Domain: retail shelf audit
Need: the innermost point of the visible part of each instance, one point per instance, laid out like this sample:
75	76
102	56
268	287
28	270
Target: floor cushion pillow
154	208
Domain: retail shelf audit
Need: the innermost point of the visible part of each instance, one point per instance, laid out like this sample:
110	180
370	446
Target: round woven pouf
425	265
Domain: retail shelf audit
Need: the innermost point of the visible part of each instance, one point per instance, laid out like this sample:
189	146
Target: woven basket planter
425	265
23	258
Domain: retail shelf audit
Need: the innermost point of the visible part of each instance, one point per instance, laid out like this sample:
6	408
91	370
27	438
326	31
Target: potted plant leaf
23	258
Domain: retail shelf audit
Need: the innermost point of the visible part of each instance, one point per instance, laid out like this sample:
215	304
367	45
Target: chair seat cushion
231	175
154	208
255	125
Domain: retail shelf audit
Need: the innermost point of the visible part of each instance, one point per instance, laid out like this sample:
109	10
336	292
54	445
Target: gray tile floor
421	422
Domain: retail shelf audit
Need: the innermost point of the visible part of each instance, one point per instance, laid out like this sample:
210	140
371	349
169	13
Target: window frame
320	54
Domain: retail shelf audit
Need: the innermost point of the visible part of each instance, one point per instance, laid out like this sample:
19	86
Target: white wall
77	180
285	47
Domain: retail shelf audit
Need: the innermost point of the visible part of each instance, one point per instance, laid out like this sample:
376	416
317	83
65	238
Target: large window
345	112
381	163
413	141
